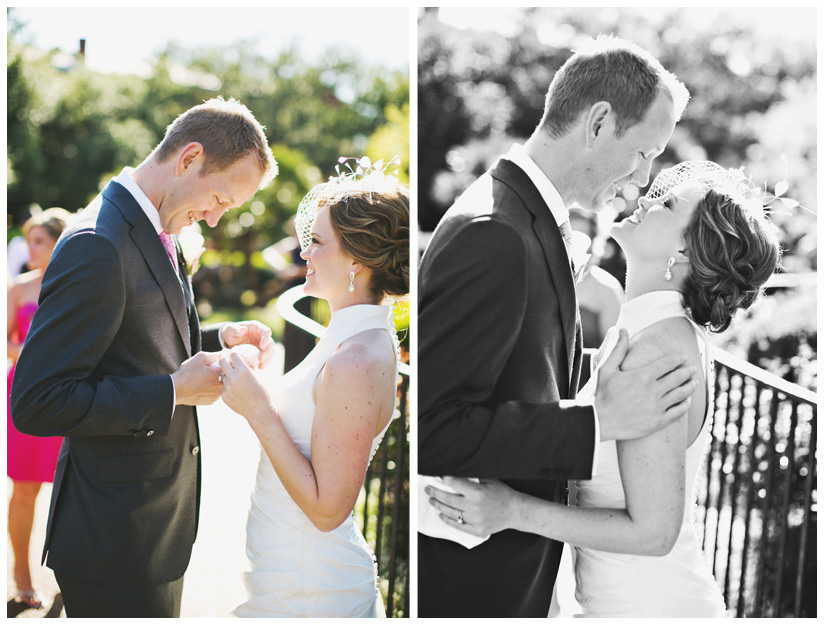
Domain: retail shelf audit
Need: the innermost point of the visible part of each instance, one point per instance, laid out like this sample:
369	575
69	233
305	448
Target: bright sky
792	23
119	39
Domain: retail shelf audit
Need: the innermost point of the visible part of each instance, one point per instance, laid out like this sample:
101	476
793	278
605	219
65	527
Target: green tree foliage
71	129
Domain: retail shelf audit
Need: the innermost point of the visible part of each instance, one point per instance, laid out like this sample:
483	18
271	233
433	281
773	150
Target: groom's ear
596	121
191	154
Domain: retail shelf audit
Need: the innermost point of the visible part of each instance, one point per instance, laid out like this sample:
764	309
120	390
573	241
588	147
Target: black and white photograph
616	312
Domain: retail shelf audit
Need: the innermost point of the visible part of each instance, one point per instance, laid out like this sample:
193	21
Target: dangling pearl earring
668	273
351	287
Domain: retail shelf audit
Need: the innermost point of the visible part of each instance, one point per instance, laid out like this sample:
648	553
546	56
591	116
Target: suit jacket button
195	450
133	433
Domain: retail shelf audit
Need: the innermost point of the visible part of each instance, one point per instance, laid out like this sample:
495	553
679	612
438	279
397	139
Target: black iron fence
387	494
757	495
385	512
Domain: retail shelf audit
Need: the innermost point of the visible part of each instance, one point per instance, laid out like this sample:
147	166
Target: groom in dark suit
109	365
500	338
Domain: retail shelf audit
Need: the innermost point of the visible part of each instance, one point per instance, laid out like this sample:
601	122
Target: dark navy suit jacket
499	355
114	321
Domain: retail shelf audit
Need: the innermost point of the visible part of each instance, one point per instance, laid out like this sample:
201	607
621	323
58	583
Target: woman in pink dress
31	460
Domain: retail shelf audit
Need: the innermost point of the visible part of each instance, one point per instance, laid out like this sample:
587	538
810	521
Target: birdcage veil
732	183
366	176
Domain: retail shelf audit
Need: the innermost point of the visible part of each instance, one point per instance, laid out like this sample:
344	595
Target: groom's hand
634	403
253	333
197	380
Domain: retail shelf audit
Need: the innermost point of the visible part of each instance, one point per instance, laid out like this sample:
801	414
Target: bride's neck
642	278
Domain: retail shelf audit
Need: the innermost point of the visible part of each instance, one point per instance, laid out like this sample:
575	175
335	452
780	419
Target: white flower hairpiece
367	176
732	183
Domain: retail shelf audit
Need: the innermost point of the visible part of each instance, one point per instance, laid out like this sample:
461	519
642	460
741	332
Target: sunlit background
483	76
92	90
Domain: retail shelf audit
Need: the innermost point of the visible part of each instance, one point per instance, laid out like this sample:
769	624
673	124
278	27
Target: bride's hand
484	506
251	333
242	391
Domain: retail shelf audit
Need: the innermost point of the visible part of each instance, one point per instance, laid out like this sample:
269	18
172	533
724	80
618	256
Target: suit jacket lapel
153	252
189	297
555	253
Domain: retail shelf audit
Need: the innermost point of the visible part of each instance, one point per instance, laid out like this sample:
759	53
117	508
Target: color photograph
208	312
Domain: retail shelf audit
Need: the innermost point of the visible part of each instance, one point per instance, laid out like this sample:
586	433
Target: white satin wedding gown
297	570
623	585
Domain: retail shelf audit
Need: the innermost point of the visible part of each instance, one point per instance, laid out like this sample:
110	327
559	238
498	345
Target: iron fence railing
386	505
757	497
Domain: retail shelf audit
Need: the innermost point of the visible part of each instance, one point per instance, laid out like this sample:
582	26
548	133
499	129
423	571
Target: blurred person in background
17	255
599	293
30	461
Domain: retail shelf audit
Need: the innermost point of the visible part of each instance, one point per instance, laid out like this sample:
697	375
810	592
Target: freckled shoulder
369	348
367	354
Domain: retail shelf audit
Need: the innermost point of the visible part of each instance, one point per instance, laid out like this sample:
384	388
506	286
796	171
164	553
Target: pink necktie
169	244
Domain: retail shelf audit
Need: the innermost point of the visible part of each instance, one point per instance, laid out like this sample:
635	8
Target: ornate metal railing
386	504
757	495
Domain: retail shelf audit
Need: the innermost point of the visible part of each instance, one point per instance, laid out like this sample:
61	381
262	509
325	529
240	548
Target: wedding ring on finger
460	518
221	377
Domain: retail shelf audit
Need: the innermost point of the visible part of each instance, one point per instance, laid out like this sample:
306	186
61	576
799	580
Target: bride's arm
350	397
653	476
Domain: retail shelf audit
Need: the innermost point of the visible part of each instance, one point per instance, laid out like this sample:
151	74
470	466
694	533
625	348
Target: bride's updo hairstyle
731	254
731	246
370	213
373	228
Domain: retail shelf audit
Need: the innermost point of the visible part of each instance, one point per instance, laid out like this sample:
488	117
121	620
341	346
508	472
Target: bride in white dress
698	249
320	424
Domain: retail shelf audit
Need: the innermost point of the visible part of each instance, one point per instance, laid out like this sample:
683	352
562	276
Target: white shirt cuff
597	432
220	336
174	397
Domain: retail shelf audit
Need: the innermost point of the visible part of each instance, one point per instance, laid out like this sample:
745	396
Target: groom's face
618	161
193	197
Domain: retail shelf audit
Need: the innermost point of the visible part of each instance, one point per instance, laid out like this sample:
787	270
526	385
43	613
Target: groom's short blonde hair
612	70
226	129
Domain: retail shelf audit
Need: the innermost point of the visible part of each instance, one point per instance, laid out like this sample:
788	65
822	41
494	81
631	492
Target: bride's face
328	266
654	231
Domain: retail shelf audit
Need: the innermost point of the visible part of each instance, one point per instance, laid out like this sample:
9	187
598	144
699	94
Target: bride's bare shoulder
367	354
667	336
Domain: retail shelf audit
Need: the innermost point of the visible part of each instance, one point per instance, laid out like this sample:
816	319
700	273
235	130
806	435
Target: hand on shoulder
642	389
